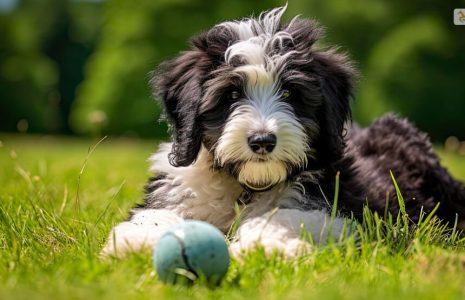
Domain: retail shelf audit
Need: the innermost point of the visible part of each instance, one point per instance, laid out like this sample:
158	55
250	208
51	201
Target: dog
260	119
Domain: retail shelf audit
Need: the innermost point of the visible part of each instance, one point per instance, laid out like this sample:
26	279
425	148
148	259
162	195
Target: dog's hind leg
449	192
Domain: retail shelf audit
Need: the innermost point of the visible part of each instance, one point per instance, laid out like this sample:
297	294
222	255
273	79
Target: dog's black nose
263	143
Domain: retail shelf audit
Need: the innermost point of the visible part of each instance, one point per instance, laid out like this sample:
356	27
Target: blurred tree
410	54
43	47
72	40
27	76
136	36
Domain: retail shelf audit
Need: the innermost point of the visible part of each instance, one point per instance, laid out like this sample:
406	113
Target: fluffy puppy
259	117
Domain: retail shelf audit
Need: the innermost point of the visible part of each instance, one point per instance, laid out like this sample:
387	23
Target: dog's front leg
140	233
282	230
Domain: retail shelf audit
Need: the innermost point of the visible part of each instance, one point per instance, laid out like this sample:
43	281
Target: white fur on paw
290	248
280	230
140	233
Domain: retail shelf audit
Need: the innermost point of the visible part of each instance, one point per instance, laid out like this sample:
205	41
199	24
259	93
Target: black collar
245	197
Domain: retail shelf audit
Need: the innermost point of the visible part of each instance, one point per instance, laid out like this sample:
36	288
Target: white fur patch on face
254	50
250	50
262	111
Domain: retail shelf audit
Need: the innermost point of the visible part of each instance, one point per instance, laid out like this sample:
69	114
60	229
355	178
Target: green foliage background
82	66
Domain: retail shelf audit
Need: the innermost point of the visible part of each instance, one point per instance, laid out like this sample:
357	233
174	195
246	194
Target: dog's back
394	144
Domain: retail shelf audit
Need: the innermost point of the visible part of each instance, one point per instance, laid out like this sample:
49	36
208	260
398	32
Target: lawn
50	237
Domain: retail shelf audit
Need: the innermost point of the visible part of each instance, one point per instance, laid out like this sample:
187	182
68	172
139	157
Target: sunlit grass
49	242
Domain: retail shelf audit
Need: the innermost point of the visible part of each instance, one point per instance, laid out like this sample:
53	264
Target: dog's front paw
290	248
127	238
140	233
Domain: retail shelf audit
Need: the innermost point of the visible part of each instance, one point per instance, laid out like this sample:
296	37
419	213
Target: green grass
49	242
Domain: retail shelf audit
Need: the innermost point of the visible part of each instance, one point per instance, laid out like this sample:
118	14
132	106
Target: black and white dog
260	117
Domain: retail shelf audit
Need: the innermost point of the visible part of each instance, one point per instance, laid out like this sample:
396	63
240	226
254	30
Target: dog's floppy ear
178	83
337	76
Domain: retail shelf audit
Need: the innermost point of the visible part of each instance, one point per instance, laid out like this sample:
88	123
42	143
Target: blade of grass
89	153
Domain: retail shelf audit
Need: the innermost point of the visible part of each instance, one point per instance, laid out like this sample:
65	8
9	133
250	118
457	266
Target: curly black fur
393	144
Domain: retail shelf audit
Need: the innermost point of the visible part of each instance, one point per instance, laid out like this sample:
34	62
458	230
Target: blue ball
191	249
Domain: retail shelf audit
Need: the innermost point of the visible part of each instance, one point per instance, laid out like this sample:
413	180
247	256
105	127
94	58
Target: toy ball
189	250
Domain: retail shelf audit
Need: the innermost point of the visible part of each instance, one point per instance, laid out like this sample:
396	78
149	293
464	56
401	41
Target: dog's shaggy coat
260	118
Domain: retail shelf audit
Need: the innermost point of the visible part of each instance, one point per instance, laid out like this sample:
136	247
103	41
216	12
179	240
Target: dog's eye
285	94
234	95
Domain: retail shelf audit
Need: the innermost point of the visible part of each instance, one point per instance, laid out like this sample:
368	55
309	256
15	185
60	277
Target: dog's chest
198	192
220	203
212	200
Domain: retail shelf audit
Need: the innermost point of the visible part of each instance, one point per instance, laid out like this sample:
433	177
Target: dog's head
260	96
